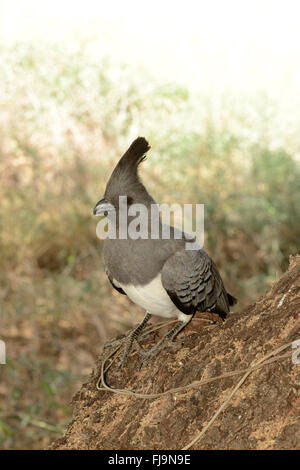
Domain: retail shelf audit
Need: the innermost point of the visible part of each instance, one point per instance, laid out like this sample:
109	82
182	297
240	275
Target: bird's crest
135	154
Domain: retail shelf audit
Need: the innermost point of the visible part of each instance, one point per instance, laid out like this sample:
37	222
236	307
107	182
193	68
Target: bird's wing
193	283
113	283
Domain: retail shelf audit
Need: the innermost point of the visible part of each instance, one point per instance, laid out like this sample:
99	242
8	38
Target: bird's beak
103	207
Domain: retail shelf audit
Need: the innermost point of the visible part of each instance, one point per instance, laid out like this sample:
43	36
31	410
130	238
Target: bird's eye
129	200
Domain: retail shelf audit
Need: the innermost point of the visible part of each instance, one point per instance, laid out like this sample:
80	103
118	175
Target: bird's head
103	207
125	182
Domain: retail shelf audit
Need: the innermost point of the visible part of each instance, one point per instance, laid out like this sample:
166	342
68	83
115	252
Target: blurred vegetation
65	120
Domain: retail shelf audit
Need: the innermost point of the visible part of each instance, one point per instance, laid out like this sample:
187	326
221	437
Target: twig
260	363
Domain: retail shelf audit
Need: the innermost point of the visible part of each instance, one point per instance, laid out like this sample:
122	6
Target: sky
215	44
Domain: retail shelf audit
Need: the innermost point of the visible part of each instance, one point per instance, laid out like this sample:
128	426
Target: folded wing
193	283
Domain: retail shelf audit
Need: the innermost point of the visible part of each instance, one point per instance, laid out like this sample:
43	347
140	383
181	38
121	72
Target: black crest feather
135	154
125	176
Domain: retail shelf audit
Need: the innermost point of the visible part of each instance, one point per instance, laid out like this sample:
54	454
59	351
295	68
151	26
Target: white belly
153	298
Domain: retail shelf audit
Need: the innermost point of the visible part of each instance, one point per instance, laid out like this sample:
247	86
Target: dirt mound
260	412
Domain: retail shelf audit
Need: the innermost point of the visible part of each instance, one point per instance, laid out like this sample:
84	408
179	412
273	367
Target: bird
158	274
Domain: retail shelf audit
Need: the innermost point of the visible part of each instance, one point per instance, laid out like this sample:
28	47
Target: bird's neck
138	219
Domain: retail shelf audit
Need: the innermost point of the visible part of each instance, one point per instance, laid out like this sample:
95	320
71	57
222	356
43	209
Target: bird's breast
153	298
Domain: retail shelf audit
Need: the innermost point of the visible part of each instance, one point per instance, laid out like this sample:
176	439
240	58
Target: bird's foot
148	354
147	357
115	343
129	347
128	341
123	361
167	339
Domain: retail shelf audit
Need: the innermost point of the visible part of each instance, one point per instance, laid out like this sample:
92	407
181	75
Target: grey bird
159	274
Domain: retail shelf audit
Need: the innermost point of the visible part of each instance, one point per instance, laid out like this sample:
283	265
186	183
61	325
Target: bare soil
264	413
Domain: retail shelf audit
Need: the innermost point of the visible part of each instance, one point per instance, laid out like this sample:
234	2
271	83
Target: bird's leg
133	338
130	339
137	330
170	335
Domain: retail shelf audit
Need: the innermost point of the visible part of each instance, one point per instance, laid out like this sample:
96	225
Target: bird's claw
122	363
144	361
149	354
117	342
128	351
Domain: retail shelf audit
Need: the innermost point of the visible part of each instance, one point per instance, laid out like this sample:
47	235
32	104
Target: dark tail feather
232	300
